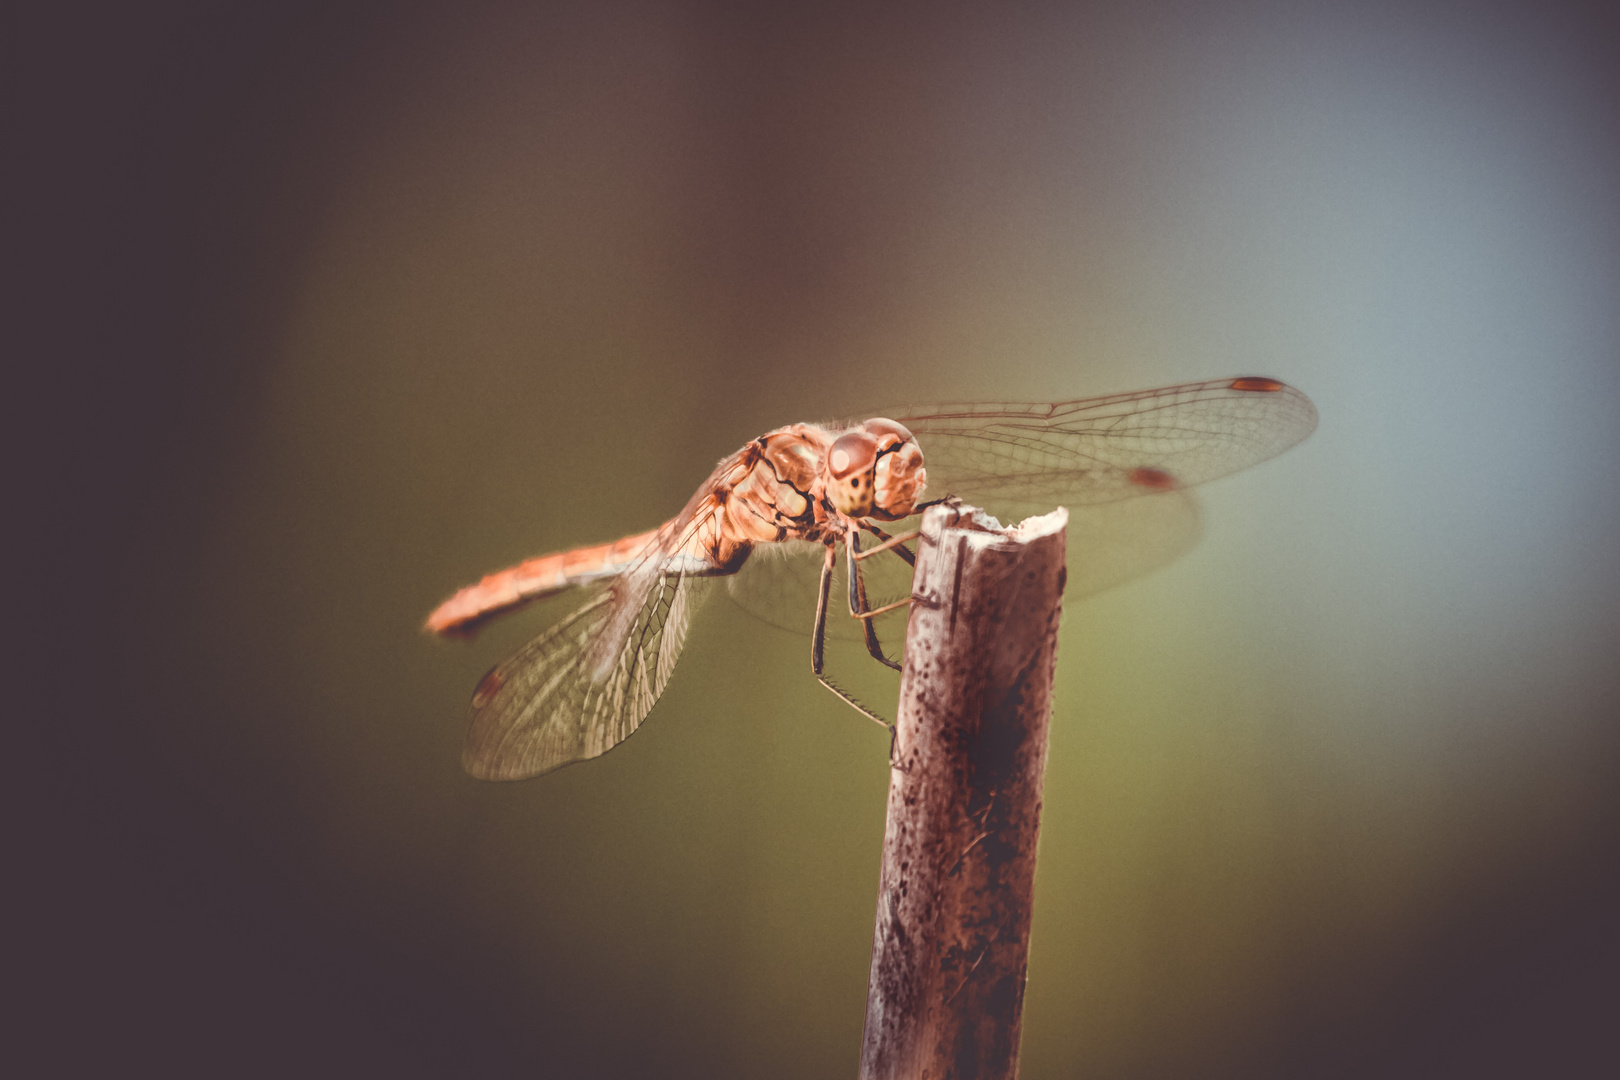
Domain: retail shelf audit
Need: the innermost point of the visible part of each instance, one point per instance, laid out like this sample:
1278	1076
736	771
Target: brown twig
950	950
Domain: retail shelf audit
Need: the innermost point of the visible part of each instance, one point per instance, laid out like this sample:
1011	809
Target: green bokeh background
485	281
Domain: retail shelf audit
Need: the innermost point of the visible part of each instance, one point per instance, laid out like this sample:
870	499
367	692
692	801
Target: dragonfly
813	491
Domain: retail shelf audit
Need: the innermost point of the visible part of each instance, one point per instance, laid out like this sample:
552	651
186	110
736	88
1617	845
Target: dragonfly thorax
875	470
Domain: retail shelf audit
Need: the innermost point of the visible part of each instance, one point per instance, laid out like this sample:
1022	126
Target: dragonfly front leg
858	606
818	647
897	544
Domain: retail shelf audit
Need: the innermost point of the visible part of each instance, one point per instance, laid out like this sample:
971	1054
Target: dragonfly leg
872	613
818	646
895	544
890	543
818	635
859	607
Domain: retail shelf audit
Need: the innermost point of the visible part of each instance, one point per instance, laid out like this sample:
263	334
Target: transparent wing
585	684
778	585
1112	543
1015	459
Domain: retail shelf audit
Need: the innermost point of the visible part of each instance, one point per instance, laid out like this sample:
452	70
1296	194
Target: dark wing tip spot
1153	479
1258	383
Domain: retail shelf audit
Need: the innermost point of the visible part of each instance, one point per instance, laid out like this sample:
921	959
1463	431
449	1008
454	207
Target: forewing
1015	459
585	684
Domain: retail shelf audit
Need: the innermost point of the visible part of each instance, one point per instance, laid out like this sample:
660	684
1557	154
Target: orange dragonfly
587	682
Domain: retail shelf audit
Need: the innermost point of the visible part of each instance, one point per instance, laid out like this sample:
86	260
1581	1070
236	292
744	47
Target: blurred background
327	313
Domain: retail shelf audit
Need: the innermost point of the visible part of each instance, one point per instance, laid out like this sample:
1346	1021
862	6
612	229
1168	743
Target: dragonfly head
875	470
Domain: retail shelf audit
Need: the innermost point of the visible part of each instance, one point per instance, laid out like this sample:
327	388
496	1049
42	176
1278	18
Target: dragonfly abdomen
532	579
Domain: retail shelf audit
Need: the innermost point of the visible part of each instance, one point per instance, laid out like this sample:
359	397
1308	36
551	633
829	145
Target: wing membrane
1017	458
585	684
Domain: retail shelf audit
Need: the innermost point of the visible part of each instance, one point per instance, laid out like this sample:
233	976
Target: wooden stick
951	946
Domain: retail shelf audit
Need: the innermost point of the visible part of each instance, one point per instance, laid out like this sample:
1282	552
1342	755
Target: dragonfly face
875	471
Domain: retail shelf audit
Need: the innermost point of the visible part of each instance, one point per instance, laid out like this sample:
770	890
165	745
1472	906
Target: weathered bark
950	950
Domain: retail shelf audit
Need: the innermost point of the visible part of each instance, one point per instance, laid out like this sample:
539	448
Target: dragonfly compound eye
887	432
849	472
851	453
898	480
